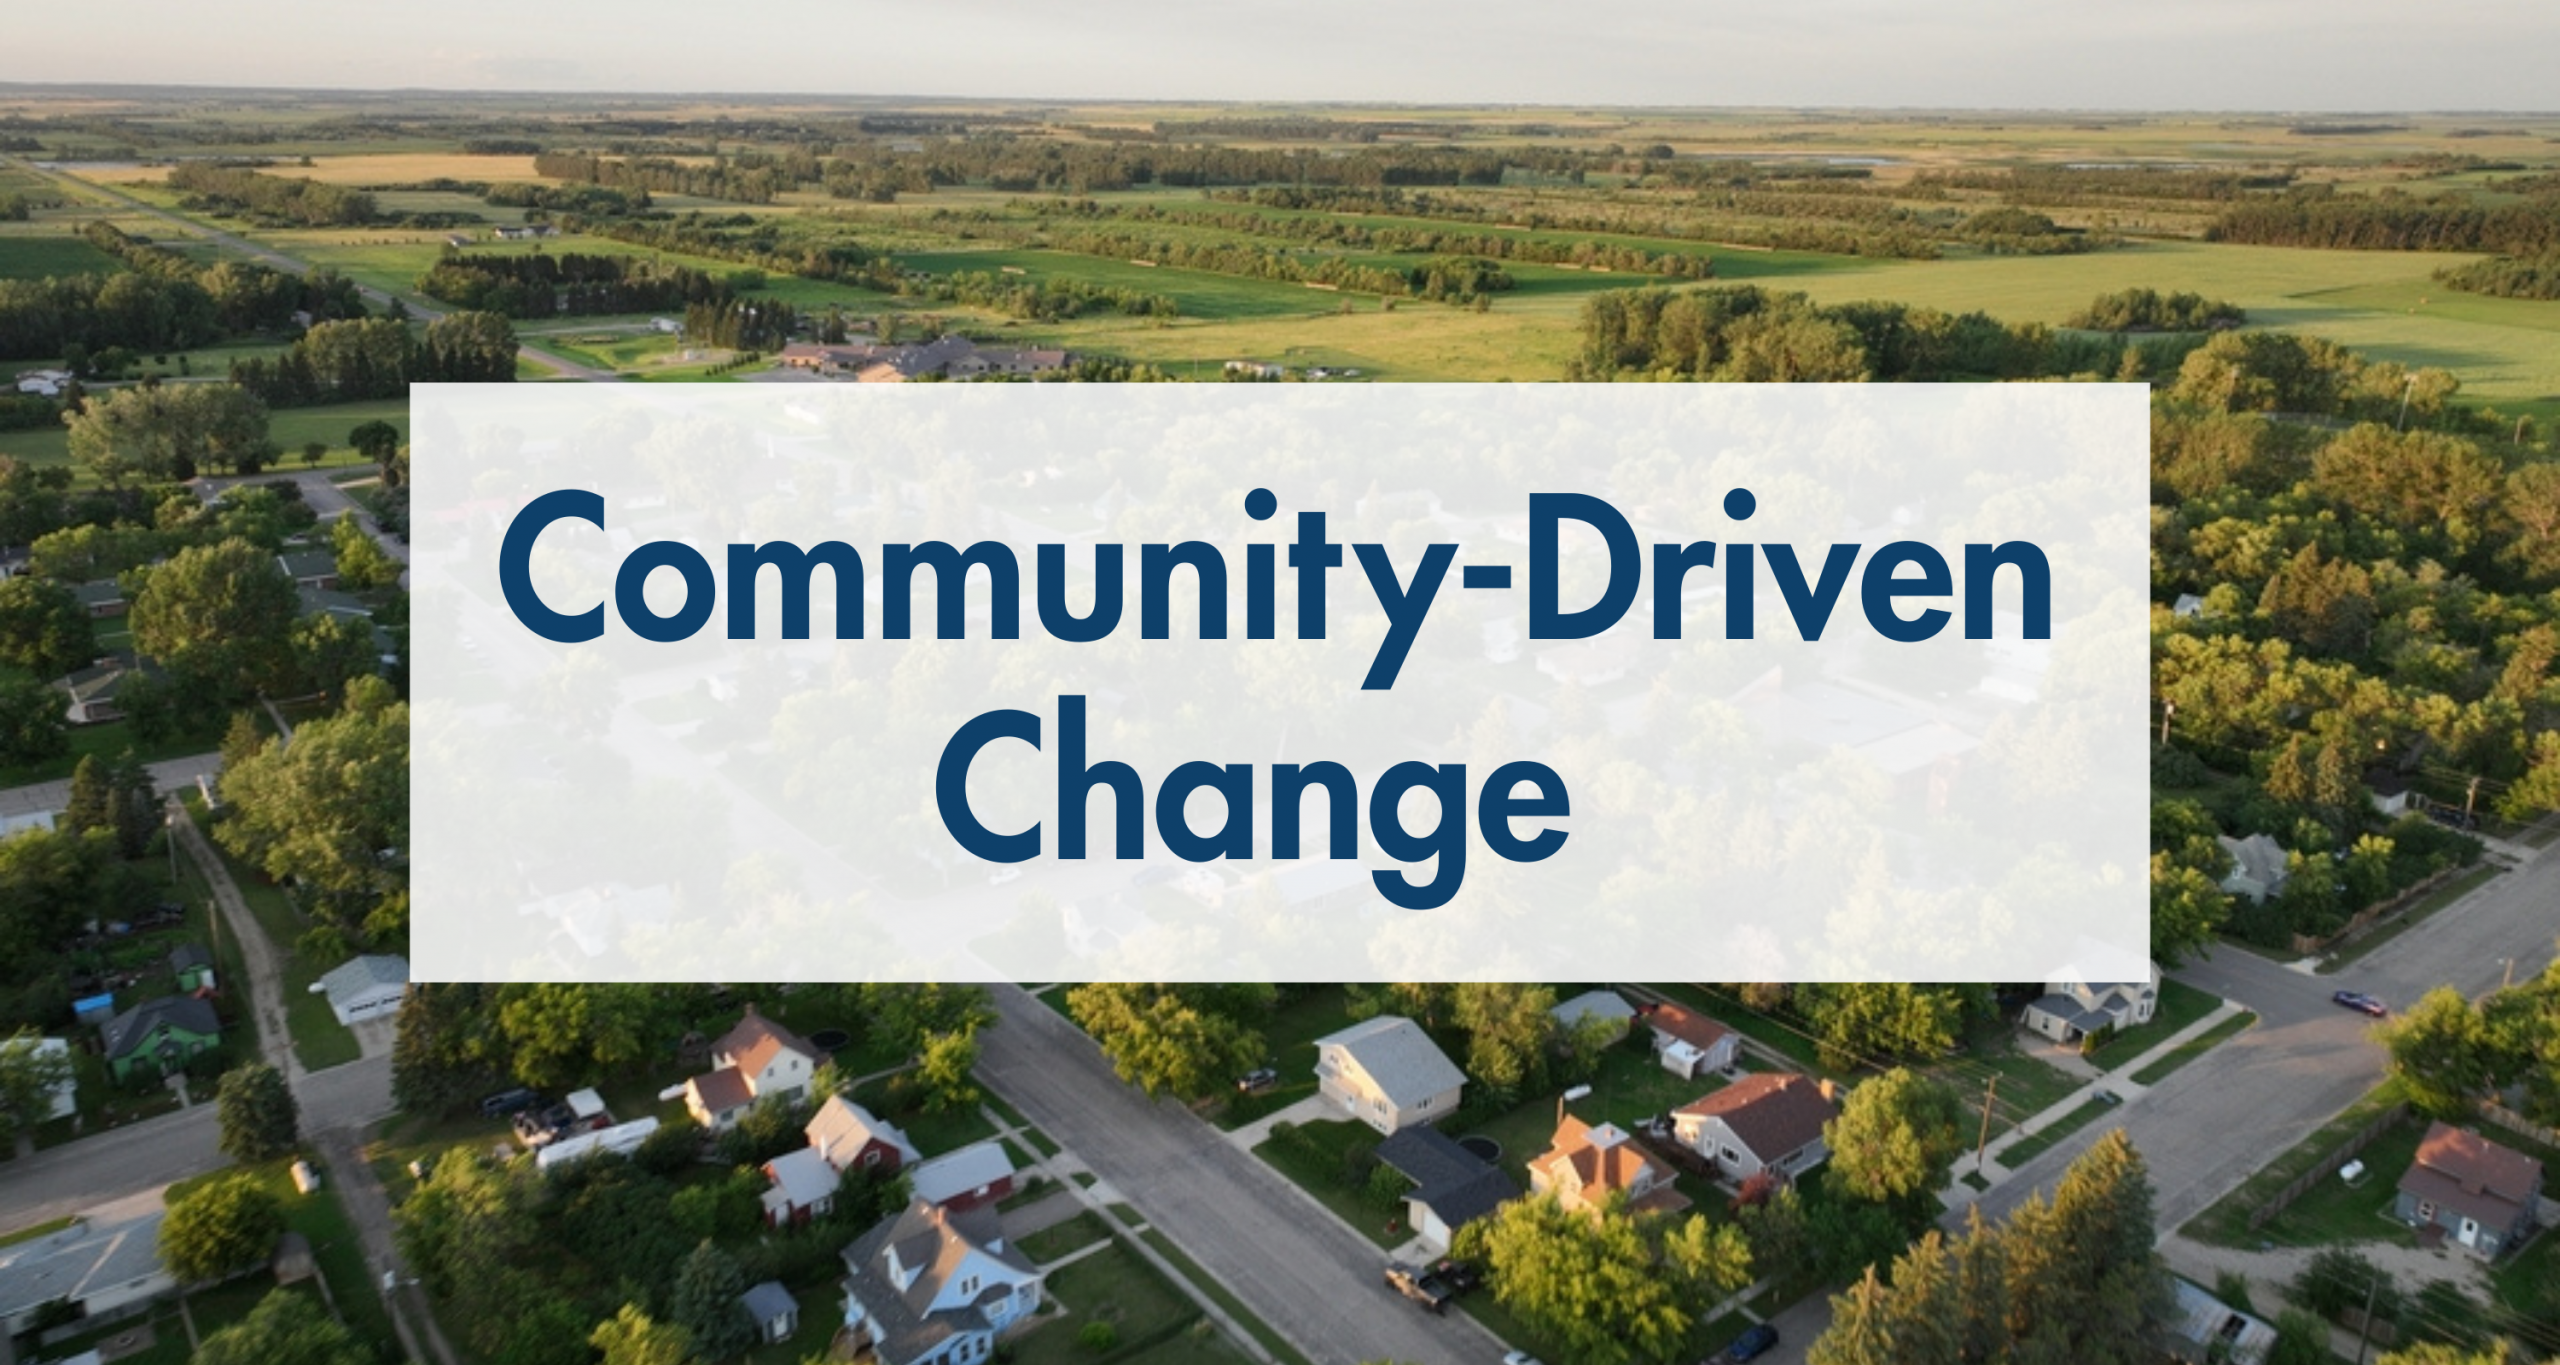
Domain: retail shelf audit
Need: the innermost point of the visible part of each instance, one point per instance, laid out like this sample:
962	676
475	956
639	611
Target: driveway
2215	1121
1313	1280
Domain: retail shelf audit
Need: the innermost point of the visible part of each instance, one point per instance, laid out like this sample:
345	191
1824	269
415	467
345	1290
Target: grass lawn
29	1234
334	1248
1153	1322
934	1132
1209	1284
2193	1048
1289	1040
2410	918
289	428
106	742
1075	1234
32	257
2029	1085
2227	1222
1322	1157
2028	1148
2180	1006
2332	1211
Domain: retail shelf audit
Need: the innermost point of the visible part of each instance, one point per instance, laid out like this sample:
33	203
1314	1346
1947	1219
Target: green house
158	1037
193	967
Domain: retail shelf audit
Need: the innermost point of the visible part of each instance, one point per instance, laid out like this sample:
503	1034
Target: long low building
106	1260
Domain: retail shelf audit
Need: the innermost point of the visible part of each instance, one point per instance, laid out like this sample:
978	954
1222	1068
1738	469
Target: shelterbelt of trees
2396	221
161	301
2509	277
2376	564
545	284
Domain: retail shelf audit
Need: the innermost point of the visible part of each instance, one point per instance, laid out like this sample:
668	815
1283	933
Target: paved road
1302	1271
2214	1122
83	1174
173	775
269	256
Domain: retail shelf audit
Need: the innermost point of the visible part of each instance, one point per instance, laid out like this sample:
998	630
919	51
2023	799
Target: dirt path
258	955
368	1206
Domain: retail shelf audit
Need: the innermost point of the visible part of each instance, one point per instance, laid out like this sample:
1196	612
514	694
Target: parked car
1462	1277
2361	1003
507	1102
1754	1342
1257	1081
1518	1358
1421	1287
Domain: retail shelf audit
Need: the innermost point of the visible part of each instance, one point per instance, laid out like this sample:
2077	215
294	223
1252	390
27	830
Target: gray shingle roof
131	1029
767	1301
1406	1065
357	976
1451	1181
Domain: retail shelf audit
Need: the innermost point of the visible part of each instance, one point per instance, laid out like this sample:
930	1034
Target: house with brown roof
1769	1121
758	1059
2462	1186
1689	1044
1585	1164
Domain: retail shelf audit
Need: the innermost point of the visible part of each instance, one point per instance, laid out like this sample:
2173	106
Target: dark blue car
1752	1344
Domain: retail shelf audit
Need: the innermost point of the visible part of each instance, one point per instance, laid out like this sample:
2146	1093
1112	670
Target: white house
800	1185
847	1135
1387	1073
367	987
2071	1010
1768	1121
756	1060
2258	865
935	1286
108	1258
1689	1044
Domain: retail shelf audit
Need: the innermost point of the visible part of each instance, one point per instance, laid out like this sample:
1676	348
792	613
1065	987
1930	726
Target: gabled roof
358	977
803	1176
722	1090
1599	1159
842	1128
1458	1186
1605	1004
931	1243
753	1044
300	564
1772	1113
769	1300
107	1249
1686	1025
957	1173
188	956
1399	1057
98	592
2471	1175
129	1030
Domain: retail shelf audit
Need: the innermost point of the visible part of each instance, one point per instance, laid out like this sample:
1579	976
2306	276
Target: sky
2291	55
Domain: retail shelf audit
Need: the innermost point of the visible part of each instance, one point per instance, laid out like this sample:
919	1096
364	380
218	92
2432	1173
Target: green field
288	428
34	256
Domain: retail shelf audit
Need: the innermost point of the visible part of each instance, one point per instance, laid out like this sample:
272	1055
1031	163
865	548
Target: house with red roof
756	1060
1689	1044
2482	1195
1770	1121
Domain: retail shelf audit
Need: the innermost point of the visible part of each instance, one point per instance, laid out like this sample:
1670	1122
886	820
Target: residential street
170	775
1312	1279
2211	1124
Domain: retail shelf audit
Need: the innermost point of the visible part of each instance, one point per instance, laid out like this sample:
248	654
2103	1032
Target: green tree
326	808
2188	909
288	1327
242	740
944	1069
1166	1039
1859	1022
362	562
257	1113
1509	1032
1895	1139
705	1305
562	1035
631	1338
2439	1050
220	612
1585	1280
374	439
330	651
220	1229
30	1076
92	802
33	728
43	628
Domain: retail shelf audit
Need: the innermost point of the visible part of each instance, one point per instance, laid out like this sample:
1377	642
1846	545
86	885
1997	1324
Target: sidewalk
2118	1082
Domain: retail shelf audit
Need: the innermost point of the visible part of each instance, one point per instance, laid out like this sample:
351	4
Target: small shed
95	1009
193	967
775	1313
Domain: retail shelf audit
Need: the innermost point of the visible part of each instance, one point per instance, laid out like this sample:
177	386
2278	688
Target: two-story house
2071	1009
1585	1164
756	1060
1387	1073
934	1286
846	1135
2479	1194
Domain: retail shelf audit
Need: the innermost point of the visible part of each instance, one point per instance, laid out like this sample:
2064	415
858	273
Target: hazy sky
2183	54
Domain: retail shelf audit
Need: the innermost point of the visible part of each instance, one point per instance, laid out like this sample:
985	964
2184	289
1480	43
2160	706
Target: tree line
271	198
1357	236
160	302
2507	277
735	180
2393	221
542	284
345	362
2149	310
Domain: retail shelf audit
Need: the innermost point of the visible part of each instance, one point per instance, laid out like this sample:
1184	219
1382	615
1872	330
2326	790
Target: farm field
35	256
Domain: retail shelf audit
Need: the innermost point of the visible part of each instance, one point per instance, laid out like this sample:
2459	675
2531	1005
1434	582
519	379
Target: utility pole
2364	1330
2509	978
2470	798
1982	1144
2167	709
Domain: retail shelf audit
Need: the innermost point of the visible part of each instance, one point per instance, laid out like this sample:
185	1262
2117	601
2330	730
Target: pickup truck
1421	1286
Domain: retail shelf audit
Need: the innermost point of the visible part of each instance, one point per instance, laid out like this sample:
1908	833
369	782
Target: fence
2327	1165
2514	1122
2363	921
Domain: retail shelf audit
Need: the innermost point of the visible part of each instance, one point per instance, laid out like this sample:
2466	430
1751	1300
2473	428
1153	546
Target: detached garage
368	987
